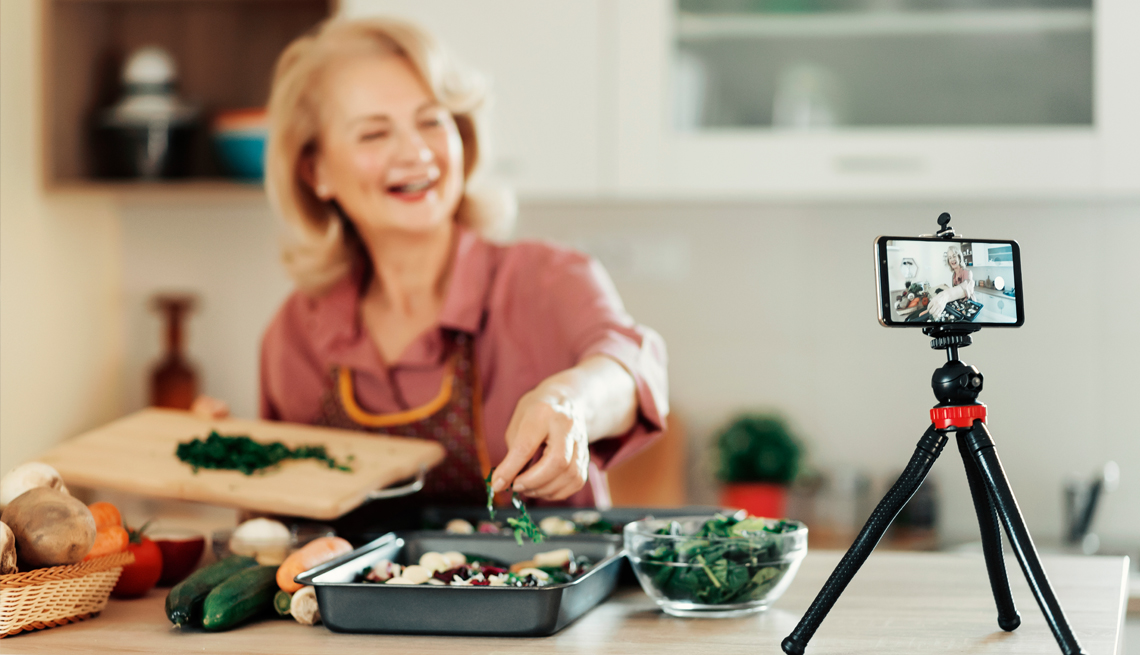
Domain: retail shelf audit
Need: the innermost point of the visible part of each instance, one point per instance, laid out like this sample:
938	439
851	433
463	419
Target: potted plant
758	459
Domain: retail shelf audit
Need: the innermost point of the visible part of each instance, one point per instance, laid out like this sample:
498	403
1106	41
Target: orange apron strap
358	414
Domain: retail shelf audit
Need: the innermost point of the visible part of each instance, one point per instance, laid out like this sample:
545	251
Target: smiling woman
407	320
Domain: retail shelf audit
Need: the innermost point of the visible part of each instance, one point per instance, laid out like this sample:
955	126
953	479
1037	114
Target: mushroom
7	550
26	477
304	606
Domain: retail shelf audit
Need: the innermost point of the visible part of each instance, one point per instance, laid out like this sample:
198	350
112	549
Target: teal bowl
242	153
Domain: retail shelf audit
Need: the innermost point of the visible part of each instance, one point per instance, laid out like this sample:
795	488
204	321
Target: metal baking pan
348	606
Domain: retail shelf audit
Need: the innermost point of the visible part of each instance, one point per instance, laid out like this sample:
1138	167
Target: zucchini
281	603
242	596
184	602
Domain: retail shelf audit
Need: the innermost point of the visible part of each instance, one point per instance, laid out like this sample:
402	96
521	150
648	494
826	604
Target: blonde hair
319	249
957	253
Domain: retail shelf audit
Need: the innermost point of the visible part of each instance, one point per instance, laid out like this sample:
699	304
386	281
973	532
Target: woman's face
952	258
389	153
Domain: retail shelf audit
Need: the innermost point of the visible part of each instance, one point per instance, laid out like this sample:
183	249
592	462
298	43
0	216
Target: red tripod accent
960	416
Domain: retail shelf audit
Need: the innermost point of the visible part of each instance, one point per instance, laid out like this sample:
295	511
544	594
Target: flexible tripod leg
927	451
981	448
990	528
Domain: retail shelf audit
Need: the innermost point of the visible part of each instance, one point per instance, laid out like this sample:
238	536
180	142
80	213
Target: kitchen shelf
702	27
187	189
225	51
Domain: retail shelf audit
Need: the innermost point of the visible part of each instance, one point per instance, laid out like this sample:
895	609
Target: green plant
757	448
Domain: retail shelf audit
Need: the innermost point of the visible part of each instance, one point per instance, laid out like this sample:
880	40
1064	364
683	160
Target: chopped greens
524	525
727	561
240	453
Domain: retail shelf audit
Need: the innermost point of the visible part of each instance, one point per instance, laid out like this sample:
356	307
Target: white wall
773	307
61	311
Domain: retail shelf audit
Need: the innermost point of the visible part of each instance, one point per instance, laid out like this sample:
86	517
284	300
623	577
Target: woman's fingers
556	424
523	441
567	478
554	463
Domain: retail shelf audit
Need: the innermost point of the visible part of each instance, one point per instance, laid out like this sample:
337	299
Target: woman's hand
210	408
545	416
938	304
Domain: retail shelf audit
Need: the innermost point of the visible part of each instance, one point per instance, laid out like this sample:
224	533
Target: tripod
956	385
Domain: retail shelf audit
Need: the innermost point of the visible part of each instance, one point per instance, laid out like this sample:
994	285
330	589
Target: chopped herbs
727	561
240	453
524	525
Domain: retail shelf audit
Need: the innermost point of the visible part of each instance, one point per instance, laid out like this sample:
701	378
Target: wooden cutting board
136	454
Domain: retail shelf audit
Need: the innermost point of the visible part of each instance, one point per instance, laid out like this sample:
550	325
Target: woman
961	283
406	320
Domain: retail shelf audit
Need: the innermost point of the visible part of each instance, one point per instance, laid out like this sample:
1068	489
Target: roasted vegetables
458	570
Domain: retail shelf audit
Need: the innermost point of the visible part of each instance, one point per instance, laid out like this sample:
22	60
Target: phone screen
924	281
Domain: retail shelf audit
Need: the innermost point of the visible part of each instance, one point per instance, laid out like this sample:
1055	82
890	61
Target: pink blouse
534	308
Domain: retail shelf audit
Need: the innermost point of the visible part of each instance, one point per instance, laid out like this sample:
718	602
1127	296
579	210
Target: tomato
140	576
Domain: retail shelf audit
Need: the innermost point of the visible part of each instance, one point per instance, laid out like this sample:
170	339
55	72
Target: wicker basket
45	598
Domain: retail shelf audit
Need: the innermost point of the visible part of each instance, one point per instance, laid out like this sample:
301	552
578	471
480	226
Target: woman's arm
963	289
566	412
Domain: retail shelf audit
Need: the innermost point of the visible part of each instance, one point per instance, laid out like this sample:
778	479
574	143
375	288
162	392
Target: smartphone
980	277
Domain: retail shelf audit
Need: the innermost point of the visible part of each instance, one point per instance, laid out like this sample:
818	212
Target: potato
7	550
51	528
28	476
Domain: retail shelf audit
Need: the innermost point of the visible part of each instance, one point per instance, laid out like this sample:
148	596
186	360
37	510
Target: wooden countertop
899	603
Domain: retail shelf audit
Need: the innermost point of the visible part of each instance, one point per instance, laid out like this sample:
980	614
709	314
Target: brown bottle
173	383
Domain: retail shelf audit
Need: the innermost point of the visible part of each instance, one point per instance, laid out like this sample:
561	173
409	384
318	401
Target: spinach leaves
728	560
524	525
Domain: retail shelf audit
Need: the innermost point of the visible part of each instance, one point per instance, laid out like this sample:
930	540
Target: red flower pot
766	499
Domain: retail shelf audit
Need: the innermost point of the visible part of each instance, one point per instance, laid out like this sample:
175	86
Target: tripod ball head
957	383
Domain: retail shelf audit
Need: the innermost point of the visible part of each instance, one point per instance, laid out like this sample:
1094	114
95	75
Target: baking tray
348	606
953	309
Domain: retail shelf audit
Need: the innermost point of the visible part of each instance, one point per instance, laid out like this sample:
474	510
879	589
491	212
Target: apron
453	418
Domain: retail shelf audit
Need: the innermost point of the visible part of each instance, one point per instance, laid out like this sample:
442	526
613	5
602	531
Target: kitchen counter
899	603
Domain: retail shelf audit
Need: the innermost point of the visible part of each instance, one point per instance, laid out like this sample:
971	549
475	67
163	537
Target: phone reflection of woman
961	283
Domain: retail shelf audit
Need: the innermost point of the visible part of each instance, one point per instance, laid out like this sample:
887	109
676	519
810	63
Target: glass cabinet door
833	64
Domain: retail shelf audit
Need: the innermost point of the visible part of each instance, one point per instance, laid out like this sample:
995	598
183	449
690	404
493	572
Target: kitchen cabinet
224	51
995	303
887	99
544	62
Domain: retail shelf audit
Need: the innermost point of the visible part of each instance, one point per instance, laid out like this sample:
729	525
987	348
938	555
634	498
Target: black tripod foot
793	646
1009	624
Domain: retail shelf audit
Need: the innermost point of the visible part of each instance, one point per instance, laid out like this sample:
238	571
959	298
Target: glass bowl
715	566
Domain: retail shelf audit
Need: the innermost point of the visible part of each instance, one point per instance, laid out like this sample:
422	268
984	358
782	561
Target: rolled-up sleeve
593	321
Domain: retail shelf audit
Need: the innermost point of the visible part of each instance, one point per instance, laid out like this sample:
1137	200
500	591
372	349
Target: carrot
108	541
106	515
314	553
